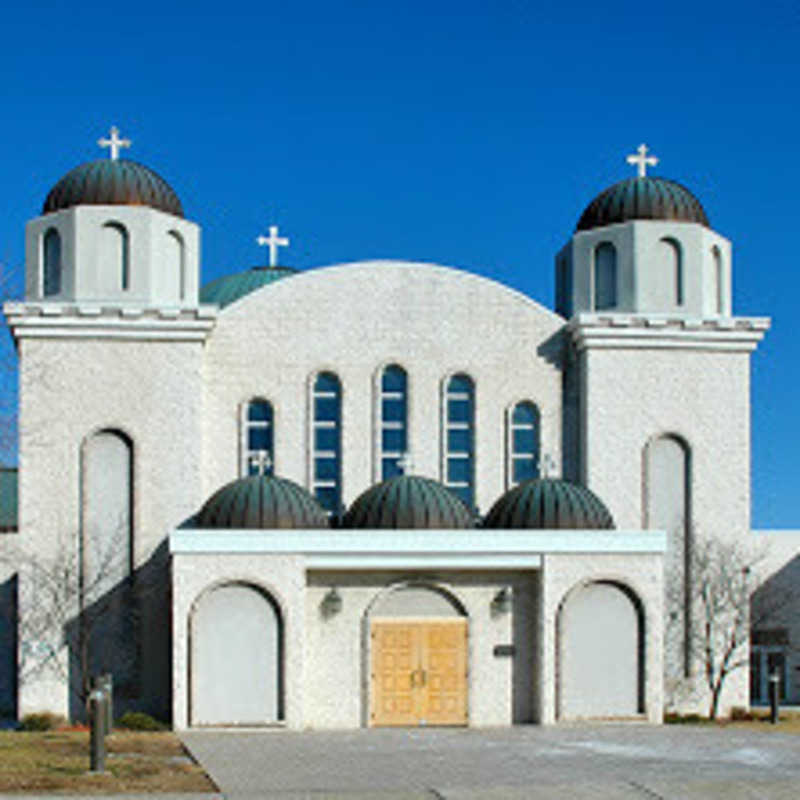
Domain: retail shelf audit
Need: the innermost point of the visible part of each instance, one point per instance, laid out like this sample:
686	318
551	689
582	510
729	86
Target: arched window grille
523	443
327	441
394	419
51	247
460	438
258	438
605	276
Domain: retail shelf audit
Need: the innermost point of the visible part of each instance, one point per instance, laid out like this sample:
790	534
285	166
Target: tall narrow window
327	453
719	282
258	438
605	276
51	248
523	443
174	276
460	433
115	257
394	419
670	272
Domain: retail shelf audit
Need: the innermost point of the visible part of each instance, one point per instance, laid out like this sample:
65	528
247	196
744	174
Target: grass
58	761
756	720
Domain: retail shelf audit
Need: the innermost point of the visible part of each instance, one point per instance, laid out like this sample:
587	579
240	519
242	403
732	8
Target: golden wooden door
419	672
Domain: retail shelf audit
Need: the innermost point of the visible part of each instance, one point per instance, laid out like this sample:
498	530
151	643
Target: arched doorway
418	658
600	653
235	658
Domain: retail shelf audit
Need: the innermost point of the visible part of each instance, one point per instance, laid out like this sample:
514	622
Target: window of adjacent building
460	437
327	441
605	276
394	419
258	438
523	443
51	247
115	255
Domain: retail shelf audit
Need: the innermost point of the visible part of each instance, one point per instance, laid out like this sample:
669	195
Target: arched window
394	419
523	443
719	281
327	444
258	438
115	256
175	268
51	250
668	508
460	437
605	276
671	268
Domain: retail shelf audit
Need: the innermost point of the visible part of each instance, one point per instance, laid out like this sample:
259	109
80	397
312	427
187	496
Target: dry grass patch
58	761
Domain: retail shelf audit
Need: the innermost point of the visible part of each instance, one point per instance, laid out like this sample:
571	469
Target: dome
261	502
642	198
408	501
225	290
549	504
108	182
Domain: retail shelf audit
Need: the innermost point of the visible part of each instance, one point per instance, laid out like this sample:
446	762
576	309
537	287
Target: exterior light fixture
331	603
502	601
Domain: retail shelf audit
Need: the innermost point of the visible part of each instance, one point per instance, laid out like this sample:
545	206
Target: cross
405	463
273	241
261	461
115	143
547	465
642	160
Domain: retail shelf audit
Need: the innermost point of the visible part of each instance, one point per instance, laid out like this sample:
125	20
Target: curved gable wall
354	319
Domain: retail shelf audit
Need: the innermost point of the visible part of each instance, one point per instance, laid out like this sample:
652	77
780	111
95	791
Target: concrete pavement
580	762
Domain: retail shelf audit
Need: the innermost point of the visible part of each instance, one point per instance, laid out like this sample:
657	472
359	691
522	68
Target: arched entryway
600	652
418	659
235	669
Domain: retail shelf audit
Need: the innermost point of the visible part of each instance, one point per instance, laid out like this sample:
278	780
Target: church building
374	493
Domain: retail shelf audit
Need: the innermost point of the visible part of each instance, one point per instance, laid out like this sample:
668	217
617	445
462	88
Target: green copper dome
108	182
225	290
408	501
549	504
261	502
642	198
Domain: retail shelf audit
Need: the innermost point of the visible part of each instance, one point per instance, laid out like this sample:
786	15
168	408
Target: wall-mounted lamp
331	603
502	601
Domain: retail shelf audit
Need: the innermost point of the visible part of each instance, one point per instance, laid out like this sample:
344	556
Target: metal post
774	686
106	683
97	723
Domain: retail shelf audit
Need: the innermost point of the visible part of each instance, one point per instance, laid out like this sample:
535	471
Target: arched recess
175	268
719	280
669	270
235	657
106	636
51	258
600	652
668	507
417	657
605	276
114	257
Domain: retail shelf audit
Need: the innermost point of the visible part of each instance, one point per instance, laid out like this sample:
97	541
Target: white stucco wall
355	319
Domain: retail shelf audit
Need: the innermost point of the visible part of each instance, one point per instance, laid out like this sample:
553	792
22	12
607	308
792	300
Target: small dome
642	198
549	504
225	290
261	502
108	182
408	501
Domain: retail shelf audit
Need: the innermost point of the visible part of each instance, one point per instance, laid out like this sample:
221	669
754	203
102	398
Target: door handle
423	678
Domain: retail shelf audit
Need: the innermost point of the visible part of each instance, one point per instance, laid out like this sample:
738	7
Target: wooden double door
418	672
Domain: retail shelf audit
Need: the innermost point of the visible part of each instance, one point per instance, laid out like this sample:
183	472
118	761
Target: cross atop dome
641	160
273	241
114	143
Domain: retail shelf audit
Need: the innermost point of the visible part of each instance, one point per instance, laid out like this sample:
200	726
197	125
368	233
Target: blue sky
469	134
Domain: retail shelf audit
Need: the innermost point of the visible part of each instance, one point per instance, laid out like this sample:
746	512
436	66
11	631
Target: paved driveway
575	762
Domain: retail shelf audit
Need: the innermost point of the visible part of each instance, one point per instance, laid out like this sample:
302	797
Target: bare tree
722	577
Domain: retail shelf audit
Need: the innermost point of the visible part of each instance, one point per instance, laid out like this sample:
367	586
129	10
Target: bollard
105	682
774	686
97	722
